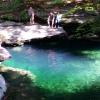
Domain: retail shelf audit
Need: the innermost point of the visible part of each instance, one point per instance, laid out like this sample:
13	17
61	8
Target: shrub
89	28
7	17
84	28
15	4
23	15
73	10
96	26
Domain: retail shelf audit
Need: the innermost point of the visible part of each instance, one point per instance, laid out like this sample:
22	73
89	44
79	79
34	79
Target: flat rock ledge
19	71
13	74
17	33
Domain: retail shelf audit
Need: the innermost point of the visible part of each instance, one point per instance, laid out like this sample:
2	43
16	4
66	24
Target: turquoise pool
58	70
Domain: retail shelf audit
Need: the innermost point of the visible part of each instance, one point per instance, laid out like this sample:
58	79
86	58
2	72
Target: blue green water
58	70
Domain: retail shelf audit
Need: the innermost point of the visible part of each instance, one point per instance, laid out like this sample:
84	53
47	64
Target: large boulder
4	54
3	87
18	34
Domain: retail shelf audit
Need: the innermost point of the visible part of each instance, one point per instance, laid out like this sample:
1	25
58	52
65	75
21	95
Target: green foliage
10	6
7	17
89	7
84	28
96	26
89	28
15	4
84	7
54	2
98	6
73	10
23	15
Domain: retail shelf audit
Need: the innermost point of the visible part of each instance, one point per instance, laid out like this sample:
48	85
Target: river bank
17	33
19	83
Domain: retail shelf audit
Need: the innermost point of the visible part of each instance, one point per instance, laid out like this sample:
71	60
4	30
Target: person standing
58	20
50	19
54	19
31	15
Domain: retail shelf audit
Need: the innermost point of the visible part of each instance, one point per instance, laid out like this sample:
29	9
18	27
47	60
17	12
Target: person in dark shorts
54	19
58	20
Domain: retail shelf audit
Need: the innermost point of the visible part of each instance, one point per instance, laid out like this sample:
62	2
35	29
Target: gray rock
4	54
20	34
3	86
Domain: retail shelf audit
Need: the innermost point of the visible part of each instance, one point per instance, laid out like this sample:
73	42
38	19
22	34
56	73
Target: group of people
53	19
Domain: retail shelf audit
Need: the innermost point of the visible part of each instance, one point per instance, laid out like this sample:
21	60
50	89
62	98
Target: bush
15	4
23	15
73	10
55	2
96	26
7	17
89	28
84	29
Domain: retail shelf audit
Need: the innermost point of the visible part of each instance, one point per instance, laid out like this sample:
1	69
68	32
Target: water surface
61	70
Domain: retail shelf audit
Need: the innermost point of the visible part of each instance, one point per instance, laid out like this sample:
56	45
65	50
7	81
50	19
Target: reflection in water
17	49
51	58
59	70
30	51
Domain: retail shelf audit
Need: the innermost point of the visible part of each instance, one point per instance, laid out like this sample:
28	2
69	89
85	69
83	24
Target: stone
4	54
19	34
3	87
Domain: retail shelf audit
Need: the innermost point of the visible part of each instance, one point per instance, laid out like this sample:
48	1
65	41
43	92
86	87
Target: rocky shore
17	33
12	81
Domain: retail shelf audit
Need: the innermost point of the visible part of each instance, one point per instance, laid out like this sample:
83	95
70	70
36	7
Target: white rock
22	33
3	86
4	54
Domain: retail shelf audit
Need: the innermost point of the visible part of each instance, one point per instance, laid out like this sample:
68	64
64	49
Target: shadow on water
21	87
75	47
88	94
91	91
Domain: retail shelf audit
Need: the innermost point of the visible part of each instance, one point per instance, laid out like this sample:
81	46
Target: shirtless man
31	15
50	20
